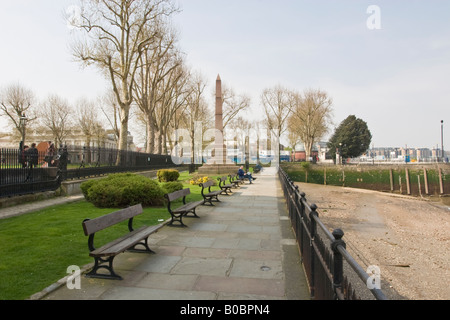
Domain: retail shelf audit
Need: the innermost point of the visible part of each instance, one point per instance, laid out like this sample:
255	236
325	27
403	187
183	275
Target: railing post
302	214
302	203
296	204
313	229
338	268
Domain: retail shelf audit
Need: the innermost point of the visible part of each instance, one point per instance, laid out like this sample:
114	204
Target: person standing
50	153
23	156
32	156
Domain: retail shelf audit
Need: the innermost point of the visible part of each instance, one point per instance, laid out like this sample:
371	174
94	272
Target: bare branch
311	117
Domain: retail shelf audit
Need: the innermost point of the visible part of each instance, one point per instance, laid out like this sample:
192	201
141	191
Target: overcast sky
394	75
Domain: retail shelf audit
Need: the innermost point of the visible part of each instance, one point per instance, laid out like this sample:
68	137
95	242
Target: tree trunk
123	136
308	149
158	141
150	135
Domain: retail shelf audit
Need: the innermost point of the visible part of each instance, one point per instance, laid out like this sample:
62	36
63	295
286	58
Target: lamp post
23	127
338	154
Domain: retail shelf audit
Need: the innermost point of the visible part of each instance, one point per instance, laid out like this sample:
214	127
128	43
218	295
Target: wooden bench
210	195
105	255
187	207
225	187
235	181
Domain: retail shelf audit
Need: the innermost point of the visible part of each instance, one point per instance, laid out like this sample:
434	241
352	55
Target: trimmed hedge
172	186
123	190
168	175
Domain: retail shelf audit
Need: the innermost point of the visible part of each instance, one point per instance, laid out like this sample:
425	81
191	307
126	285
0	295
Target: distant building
402	154
318	153
75	138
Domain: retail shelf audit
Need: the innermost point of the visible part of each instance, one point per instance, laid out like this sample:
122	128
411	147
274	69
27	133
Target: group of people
29	156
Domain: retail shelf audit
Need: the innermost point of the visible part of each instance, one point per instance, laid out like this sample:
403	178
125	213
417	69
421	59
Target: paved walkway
18	210
241	249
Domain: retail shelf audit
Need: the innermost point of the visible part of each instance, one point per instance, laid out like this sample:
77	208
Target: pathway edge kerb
22	209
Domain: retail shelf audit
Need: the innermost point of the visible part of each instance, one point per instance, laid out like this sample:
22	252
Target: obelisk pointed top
218	77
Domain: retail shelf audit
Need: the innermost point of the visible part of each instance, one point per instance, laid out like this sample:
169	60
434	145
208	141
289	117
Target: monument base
217	169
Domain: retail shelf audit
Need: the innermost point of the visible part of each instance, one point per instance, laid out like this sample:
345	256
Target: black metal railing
323	253
87	162
18	177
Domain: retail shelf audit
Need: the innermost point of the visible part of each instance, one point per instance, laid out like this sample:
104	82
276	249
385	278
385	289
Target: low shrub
172	186
168	175
85	186
123	190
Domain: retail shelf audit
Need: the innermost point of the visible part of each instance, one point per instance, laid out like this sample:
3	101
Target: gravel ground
407	238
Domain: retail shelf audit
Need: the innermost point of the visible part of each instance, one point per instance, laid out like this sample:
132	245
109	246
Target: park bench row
137	240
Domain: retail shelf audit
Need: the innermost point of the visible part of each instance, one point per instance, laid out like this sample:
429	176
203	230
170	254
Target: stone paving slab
232	285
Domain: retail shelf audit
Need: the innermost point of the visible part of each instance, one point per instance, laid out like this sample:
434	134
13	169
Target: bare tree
240	132
117	34
311	117
111	110
57	117
233	104
174	93
196	111
16	102
293	140
87	120
277	106
156	63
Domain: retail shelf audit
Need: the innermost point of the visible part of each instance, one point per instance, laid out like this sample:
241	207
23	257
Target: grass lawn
37	248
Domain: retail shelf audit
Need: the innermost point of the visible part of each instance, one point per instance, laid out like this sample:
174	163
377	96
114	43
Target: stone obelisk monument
220	150
218	163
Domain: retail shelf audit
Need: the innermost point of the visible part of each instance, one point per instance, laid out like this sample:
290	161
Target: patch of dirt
407	238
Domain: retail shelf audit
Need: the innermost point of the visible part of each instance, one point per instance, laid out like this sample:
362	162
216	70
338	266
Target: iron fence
323	253
18	177
85	162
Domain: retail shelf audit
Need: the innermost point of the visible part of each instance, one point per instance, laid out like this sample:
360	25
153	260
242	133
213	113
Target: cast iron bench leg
98	265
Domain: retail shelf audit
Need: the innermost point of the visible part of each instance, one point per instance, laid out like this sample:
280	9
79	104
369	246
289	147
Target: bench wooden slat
124	243
208	184
178	194
213	193
188	207
94	225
